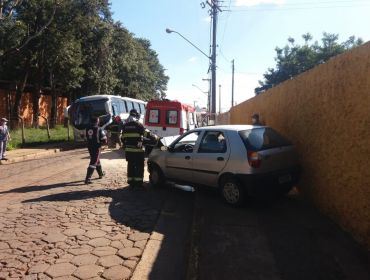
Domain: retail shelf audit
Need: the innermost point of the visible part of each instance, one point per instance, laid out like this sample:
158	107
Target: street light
173	31
212	99
204	92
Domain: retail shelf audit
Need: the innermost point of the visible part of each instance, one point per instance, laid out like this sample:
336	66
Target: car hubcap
231	193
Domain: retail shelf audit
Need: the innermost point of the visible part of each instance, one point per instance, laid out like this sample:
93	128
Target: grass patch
35	137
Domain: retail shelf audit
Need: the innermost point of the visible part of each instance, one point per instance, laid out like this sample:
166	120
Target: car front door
210	158
179	159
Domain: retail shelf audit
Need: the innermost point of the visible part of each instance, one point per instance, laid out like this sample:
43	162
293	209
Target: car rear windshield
264	138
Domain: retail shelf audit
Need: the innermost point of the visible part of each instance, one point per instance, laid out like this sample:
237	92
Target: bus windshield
86	109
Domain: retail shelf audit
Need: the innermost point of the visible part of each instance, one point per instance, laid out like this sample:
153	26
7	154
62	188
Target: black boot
100	171
89	173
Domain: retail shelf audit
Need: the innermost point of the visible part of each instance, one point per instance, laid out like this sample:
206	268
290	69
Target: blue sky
248	34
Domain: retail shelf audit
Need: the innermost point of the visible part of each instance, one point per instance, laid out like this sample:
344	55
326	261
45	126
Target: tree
294	59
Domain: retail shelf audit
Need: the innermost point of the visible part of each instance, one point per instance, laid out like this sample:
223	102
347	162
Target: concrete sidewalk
40	151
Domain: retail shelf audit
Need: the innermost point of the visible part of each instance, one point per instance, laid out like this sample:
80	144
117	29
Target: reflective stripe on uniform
137	179
136	150
131	135
92	166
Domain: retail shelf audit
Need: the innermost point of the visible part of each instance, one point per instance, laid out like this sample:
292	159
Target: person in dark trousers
95	136
134	136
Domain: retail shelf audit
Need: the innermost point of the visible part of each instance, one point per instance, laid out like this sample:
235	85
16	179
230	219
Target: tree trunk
36	106
54	101
18	96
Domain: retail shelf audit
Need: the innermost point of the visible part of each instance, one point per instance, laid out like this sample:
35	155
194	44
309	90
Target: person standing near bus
95	136
4	138
133	135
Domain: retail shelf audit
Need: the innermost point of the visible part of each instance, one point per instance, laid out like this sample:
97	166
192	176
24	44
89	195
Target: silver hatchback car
240	160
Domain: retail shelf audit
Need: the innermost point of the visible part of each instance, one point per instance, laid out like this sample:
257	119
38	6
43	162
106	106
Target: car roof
237	127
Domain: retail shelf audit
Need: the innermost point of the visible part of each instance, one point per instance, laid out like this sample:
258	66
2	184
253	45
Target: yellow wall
326	113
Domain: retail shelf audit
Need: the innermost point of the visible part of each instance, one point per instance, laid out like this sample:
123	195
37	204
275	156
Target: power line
308	3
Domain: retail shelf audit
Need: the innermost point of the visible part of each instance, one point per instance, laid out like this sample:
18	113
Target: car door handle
220	158
187	157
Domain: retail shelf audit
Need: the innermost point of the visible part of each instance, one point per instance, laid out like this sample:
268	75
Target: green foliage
36	137
74	47
294	59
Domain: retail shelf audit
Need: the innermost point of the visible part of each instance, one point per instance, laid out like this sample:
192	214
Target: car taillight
254	159
181	131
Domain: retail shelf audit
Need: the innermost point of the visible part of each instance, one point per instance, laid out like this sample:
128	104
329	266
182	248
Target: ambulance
169	118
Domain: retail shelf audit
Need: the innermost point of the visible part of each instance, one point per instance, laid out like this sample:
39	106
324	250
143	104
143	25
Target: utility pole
219	99
232	84
213	4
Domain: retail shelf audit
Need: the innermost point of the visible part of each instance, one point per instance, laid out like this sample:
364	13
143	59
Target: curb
152	247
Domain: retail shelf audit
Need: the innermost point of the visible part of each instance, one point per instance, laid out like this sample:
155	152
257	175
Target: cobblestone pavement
52	226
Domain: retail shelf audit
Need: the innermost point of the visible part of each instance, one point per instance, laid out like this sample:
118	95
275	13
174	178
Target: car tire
232	191
156	176
284	190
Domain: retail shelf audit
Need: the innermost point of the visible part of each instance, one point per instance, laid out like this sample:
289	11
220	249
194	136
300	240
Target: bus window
136	106
153	116
171	117
122	106
130	106
142	108
115	109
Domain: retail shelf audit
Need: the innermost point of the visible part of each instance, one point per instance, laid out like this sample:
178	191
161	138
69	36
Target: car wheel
284	190
232	191
156	176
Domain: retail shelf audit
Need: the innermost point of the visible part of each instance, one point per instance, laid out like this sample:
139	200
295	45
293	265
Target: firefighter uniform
95	138
115	132
134	136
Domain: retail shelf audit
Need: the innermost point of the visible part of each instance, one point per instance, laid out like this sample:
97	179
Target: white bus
106	107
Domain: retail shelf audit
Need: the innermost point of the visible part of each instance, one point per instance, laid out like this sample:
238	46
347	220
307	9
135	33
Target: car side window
186	144
213	142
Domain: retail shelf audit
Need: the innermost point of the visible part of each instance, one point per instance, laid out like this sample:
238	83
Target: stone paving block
127	243
66	278
99	242
54	237
84	259
138	236
80	250
140	244
118	236
130	263
4	245
95	233
104	251
60	269
73	232
88	271
38	268
109	261
117	273
116	244
129	252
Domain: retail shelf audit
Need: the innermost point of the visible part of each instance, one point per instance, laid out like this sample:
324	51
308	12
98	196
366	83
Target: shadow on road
37	188
285	239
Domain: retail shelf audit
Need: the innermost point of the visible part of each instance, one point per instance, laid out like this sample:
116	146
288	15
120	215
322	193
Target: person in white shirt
4	138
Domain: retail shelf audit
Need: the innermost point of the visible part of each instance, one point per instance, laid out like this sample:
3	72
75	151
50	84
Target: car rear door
211	157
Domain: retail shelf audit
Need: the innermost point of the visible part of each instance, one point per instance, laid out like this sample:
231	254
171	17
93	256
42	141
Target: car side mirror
170	149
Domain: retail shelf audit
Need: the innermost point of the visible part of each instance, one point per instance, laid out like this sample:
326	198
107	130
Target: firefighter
95	136
115	132
134	136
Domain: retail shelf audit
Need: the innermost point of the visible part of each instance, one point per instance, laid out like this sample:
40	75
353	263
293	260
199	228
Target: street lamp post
206	93
212	105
